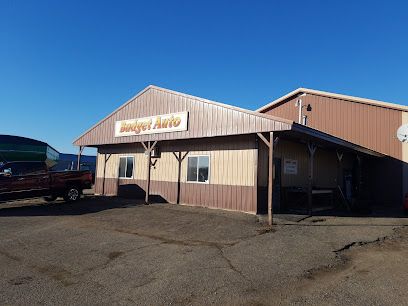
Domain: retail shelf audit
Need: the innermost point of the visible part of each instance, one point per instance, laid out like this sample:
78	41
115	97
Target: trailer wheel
72	194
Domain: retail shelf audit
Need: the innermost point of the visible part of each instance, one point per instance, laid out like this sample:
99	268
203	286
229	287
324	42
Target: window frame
209	169
133	170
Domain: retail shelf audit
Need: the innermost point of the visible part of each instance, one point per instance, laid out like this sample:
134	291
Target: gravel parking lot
116	251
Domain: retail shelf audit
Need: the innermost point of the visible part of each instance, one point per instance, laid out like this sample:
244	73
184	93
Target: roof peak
198	99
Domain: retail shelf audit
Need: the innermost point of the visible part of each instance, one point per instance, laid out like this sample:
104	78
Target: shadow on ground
88	205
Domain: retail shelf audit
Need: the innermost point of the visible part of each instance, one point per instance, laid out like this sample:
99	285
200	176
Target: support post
179	177
104	172
312	150
81	148
149	149
270	145
270	180
359	178
340	169
149	160
180	159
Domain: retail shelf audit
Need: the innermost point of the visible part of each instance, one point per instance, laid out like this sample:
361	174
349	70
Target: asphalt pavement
113	251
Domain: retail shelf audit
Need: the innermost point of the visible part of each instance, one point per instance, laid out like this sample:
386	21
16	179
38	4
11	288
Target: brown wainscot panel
238	198
107	186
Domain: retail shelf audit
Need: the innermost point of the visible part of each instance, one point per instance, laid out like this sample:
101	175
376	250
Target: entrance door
276	190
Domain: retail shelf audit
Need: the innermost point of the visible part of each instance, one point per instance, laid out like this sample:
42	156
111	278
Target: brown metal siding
238	198
367	125
206	119
232	182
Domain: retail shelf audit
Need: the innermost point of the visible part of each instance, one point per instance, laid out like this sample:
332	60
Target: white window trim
209	169
133	170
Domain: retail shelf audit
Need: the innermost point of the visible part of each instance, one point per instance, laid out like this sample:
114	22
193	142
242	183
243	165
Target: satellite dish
402	133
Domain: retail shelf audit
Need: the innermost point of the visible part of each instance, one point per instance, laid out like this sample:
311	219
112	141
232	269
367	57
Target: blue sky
64	65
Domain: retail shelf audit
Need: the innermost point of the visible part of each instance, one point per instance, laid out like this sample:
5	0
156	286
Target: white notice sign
290	166
152	125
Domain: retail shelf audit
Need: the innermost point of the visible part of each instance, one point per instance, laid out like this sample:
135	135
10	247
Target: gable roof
206	118
333	95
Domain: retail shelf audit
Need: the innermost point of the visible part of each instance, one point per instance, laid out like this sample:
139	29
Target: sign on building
290	166
152	125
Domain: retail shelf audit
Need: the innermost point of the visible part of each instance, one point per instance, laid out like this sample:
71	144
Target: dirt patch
342	260
356	265
341	263
58	274
114	255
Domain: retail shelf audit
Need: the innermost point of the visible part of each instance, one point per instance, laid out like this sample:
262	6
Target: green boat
16	148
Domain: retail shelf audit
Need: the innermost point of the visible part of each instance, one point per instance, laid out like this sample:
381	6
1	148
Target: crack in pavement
367	242
216	245
64	276
187	242
359	243
67	278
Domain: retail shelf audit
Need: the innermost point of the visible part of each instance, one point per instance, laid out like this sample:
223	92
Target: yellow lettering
122	127
157	124
176	121
171	121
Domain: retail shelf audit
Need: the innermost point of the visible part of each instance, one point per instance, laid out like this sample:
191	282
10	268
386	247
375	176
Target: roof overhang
318	135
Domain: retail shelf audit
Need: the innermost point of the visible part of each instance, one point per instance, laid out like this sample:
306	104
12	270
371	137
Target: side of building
369	123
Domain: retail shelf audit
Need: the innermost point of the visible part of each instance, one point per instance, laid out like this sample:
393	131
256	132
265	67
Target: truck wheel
72	194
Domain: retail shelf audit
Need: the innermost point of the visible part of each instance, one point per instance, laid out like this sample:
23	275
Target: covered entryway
314	171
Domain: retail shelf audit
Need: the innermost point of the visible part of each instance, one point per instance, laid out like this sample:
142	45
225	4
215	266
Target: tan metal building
188	150
369	123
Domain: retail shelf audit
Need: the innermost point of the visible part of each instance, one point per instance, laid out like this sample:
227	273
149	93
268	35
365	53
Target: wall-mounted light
302	119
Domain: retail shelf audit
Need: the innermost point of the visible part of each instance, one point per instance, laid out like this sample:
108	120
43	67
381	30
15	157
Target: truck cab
23	179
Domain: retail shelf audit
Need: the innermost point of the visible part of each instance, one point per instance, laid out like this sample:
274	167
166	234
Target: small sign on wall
290	166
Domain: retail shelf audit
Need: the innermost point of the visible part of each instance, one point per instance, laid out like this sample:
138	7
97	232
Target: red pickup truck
21	180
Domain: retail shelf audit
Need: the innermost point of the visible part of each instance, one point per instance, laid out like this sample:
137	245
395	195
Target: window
36	168
126	167
198	169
